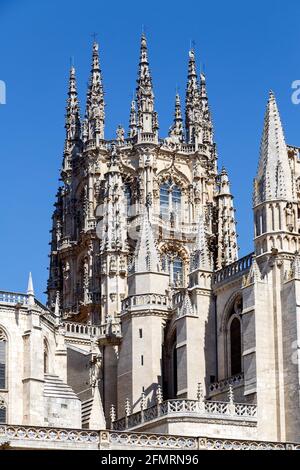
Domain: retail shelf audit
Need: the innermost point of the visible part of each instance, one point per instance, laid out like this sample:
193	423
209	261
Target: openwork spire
147	117
72	126
192	101
72	110
176	130
95	106
146	254
274	178
205	112
227	237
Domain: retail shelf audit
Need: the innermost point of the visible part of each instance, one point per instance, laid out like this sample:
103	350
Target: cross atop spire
95	105
274	178
147	117
192	100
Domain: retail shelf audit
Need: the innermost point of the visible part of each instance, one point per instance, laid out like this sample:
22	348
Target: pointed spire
95	113
72	126
146	254
202	256
186	308
274	178
192	101
176	130
205	112
147	117
30	291
72	111
132	121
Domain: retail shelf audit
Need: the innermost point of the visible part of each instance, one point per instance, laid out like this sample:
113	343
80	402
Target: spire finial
95	106
30	290
176	130
146	116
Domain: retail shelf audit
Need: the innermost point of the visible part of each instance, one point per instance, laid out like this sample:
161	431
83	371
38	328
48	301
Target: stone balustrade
145	300
37	437
196	408
233	269
13	298
87	331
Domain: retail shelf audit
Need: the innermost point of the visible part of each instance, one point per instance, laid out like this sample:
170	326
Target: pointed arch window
172	263
235	346
170	198
3	360
46	358
234	339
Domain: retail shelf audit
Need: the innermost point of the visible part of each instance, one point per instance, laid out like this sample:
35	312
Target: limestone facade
152	321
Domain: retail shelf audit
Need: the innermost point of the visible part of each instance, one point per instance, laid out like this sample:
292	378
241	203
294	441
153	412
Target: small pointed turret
95	106
146	254
205	112
72	125
30	290
132	121
176	130
201	257
192	101
227	248
274	178
72	111
186	308
147	117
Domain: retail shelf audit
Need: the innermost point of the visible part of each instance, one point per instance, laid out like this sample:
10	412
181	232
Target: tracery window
3	359
172	263
170	198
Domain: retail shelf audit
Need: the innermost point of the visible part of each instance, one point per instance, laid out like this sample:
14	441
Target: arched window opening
2	412
170	198
164	199
46	358
3	360
177	271
172	263
235	346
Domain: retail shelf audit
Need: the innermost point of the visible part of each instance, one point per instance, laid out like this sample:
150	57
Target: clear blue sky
247	48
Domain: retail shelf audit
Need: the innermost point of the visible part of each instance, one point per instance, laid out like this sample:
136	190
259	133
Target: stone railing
44	437
13	298
233	269
223	385
146	300
87	331
196	408
16	298
37	437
